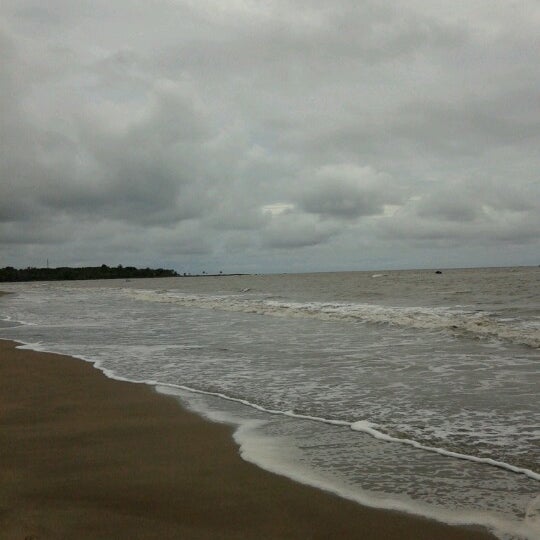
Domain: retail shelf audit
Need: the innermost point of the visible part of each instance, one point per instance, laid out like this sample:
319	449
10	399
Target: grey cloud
347	191
477	199
292	229
236	217
449	205
186	238
146	173
311	39
41	230
455	222
473	126
177	124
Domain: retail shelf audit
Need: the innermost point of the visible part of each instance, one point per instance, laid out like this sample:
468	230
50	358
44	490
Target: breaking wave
476	324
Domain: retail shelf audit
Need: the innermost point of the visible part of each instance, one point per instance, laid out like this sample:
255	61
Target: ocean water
405	389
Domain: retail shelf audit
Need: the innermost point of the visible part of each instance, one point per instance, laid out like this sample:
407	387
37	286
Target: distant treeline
87	272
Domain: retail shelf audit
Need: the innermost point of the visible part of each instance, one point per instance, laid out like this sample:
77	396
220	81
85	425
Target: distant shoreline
67	273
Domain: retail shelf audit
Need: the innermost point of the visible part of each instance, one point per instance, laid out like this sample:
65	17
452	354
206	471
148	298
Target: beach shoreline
85	456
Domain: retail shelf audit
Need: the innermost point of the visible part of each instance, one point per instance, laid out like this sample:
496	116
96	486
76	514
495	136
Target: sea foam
476	324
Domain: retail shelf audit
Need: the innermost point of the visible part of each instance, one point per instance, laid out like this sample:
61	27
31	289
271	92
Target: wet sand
83	456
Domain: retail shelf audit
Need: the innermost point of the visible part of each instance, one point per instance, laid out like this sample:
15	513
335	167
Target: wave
525	529
12	323
255	450
363	426
473	323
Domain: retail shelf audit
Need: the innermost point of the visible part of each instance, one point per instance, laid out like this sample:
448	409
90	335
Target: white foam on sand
278	456
361	425
275	455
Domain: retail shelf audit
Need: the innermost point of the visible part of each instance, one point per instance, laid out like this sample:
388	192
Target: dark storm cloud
234	131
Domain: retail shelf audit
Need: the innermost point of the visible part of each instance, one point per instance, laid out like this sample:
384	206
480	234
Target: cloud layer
249	136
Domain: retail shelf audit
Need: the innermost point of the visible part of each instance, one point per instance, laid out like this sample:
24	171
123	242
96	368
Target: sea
409	390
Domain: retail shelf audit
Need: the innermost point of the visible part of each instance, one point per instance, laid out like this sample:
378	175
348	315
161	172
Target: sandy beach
84	456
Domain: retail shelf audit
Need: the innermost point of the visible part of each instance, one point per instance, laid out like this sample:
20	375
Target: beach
84	456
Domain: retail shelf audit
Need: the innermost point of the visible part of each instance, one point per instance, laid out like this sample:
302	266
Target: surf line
420	318
363	426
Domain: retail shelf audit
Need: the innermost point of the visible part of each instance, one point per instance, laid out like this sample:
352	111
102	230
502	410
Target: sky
276	136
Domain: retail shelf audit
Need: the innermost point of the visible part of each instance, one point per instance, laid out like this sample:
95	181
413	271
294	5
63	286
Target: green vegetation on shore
87	272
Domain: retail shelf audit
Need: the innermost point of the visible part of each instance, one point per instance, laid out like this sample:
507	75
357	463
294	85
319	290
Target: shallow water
409	390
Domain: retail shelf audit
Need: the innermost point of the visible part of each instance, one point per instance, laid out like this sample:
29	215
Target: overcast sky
261	136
